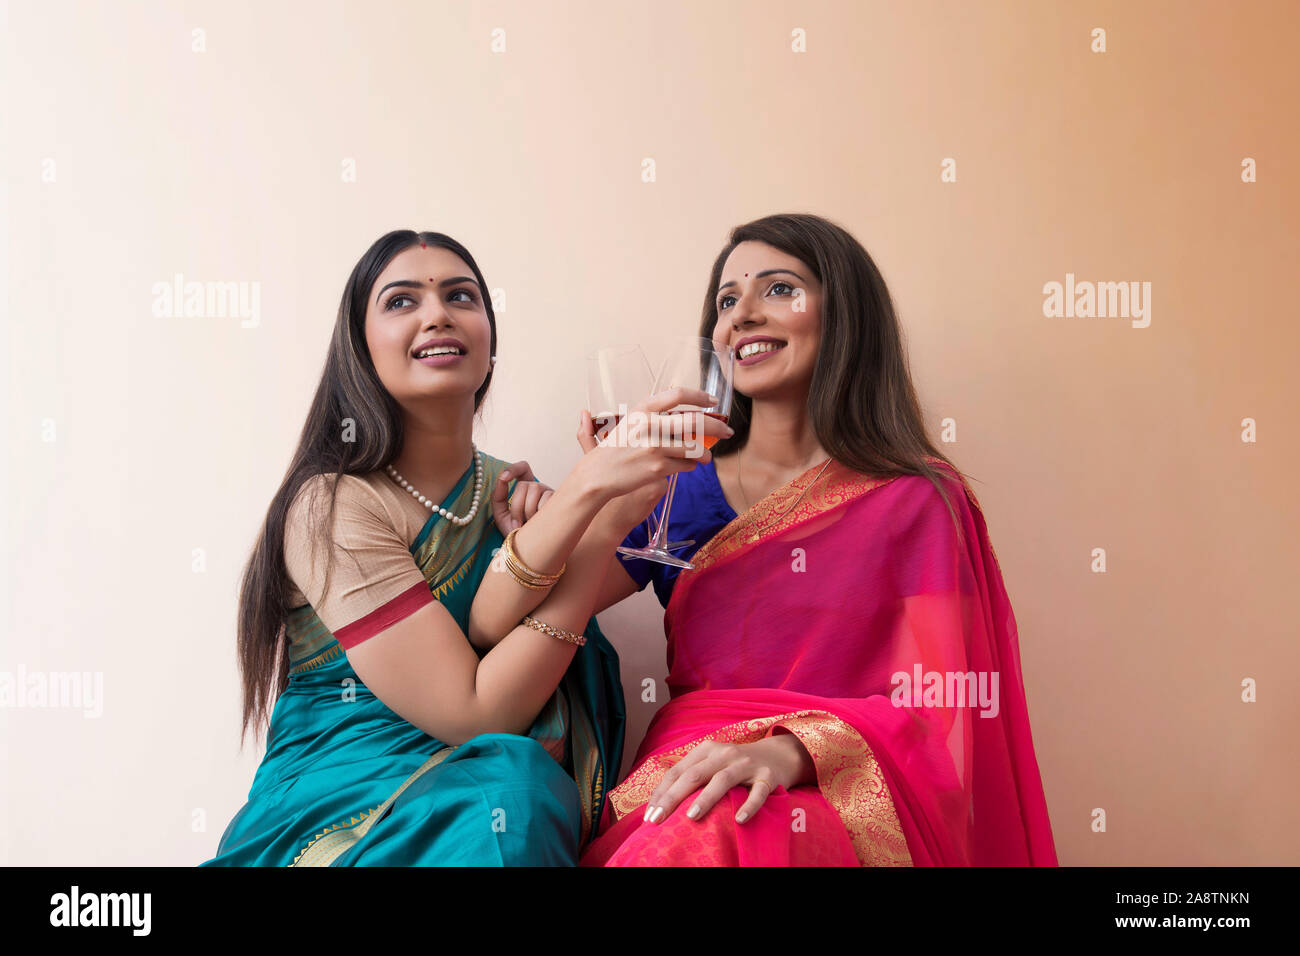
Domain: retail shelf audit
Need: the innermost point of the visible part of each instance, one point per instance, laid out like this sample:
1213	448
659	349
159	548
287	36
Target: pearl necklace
454	519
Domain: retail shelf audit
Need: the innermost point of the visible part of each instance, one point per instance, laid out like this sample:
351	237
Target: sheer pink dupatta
846	610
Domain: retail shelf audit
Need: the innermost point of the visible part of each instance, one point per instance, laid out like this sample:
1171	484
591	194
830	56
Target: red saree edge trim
386	615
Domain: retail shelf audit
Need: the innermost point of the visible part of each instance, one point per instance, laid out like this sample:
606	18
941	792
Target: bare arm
616	585
423	668
611	489
498	585
544	543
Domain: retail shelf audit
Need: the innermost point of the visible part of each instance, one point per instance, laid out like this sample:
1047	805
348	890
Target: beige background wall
135	439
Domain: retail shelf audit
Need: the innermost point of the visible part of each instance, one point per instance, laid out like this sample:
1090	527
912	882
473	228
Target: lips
751	340
439	343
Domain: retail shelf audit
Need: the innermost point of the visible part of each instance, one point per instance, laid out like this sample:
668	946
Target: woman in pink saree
844	664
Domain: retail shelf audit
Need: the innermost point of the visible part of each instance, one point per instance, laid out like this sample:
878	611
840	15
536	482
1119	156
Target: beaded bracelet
559	632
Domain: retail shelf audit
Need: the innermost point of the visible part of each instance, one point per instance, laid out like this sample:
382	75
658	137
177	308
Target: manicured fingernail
742	816
648	810
657	815
694	811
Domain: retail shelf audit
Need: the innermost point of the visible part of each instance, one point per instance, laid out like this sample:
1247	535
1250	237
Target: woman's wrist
571	602
798	763
591	482
582	494
545	541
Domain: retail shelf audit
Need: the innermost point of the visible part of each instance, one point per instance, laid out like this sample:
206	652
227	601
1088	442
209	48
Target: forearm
516	678
544	544
616	584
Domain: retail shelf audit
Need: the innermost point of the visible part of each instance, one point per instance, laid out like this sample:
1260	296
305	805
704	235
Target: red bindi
423	246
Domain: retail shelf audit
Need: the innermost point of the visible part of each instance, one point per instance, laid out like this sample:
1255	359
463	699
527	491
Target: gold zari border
332	842
320	660
848	776
837	484
852	782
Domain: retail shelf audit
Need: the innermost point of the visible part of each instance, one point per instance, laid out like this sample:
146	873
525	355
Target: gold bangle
519	575
522	572
559	632
525	575
526	584
513	555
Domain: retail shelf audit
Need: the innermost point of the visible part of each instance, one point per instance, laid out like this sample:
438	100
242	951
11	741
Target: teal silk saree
347	782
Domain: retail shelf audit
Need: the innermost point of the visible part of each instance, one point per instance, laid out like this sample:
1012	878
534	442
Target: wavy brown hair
861	400
349	389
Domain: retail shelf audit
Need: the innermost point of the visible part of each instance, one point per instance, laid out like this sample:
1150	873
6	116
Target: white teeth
440	350
753	348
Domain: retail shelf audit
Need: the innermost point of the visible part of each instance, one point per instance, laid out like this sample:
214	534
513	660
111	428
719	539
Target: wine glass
695	363
617	378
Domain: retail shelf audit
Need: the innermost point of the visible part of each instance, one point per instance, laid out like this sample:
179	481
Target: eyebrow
414	284
766	272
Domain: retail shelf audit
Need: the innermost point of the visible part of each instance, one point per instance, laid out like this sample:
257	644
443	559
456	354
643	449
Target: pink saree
855	618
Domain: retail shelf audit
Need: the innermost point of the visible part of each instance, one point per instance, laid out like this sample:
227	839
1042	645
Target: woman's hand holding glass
630	463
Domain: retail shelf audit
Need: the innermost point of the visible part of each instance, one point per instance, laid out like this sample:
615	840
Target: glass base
662	557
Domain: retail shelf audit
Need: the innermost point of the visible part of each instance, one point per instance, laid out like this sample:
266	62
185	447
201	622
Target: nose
436	316
745	313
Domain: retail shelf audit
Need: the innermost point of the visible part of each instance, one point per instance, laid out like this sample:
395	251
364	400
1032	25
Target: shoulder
916	498
358	521
351	490
953	481
356	498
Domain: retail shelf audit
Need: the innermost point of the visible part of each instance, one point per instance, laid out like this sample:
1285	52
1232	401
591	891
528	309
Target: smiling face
766	295
426	295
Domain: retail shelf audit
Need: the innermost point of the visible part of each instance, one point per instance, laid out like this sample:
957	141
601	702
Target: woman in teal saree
440	694
347	782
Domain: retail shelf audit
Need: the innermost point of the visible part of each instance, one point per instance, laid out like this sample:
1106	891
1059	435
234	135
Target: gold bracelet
526	584
550	629
522	572
524	569
519	577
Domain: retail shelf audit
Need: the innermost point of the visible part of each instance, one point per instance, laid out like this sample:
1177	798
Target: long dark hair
349	389
861	400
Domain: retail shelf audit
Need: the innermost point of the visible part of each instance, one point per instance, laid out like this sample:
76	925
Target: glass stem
661	532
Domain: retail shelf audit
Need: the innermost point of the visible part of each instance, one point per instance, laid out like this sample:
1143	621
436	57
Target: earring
494	360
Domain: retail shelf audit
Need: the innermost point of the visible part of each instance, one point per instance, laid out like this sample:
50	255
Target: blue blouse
700	511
